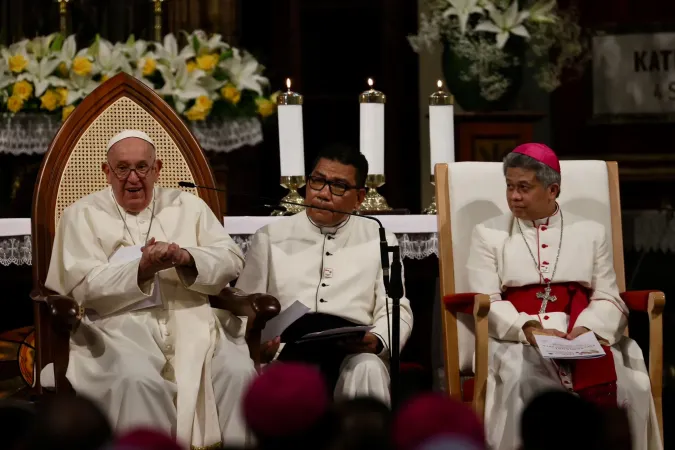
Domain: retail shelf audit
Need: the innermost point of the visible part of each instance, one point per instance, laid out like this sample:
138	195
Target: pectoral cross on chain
545	297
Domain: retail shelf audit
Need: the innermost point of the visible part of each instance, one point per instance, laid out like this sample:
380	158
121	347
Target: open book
585	346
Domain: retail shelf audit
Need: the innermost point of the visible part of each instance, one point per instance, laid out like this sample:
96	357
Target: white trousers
126	368
361	375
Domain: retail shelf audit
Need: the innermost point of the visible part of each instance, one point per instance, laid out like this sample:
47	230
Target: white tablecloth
416	235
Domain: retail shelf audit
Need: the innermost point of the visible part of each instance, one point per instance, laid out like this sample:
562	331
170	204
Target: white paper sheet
278	324
585	346
337	331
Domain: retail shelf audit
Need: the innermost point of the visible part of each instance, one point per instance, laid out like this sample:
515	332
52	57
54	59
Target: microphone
393	290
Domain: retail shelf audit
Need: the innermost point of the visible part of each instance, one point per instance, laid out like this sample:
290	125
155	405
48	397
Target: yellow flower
22	89
14	103
63	95
207	62
191	66
203	103
63	70
195	113
149	67
17	63
265	107
231	94
82	66
274	97
50	100
67	111
104	78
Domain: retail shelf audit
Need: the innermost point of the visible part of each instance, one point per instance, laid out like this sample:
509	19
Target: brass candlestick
63	16
374	201
158	19
431	209
438	98
292	184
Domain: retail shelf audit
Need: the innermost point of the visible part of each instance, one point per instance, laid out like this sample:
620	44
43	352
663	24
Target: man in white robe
515	258
141	261
331	263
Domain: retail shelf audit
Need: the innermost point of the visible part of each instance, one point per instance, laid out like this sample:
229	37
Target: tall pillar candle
441	127
372	128
291	137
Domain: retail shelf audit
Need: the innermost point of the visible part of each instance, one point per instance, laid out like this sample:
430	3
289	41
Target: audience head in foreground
532	174
16	421
69	421
430	417
132	168
287	407
361	423
337	181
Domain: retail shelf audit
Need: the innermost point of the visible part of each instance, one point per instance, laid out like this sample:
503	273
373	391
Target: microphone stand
393	286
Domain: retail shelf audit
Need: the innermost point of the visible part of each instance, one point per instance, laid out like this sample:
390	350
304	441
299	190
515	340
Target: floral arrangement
206	77
480	31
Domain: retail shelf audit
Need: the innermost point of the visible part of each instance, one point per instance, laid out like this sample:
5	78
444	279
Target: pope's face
132	170
319	191
528	199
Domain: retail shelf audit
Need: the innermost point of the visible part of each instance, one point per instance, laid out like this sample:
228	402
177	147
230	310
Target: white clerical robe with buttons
154	354
331	270
499	259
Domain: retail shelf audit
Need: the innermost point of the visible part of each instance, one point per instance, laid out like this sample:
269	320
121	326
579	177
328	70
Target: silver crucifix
545	297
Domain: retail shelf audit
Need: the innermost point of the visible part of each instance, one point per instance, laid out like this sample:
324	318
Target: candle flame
288	83
439	84
370	82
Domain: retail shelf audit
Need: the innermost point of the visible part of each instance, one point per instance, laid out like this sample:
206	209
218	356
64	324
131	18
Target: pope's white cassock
500	263
154	354
331	270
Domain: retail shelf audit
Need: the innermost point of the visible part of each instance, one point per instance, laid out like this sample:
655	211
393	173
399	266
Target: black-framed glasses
338	188
142	170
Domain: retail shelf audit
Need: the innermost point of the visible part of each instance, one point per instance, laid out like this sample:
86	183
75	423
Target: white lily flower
182	86
110	61
140	66
462	9
204	44
40	46
40	73
68	51
6	78
541	12
15	50
505	23
79	87
170	55
244	71
134	50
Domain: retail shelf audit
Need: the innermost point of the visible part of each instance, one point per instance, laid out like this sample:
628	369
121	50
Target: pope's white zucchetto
128	134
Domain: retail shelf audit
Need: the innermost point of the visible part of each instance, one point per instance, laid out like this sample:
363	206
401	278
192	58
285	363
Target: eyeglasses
336	187
122	172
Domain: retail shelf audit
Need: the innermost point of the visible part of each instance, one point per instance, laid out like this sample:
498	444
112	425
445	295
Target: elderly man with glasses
142	260
330	262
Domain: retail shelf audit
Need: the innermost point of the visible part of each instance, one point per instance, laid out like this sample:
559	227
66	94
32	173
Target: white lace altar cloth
32	133
416	235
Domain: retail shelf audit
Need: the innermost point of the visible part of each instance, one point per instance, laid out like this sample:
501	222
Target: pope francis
331	263
549	271
142	260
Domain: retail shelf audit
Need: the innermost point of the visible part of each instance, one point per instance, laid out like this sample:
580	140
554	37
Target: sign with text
634	74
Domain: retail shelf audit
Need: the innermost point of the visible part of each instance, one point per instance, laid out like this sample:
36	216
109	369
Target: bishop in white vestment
550	271
331	263
142	260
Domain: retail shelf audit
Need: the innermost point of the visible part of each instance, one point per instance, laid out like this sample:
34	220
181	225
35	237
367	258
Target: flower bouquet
486	44
205	78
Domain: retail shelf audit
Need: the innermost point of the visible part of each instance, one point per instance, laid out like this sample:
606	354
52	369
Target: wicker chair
71	170
590	189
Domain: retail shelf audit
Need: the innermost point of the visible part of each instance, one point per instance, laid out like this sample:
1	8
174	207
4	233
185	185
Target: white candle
441	128
291	136
372	129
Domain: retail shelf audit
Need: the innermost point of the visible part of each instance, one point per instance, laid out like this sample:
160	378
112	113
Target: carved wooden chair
468	193
71	170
